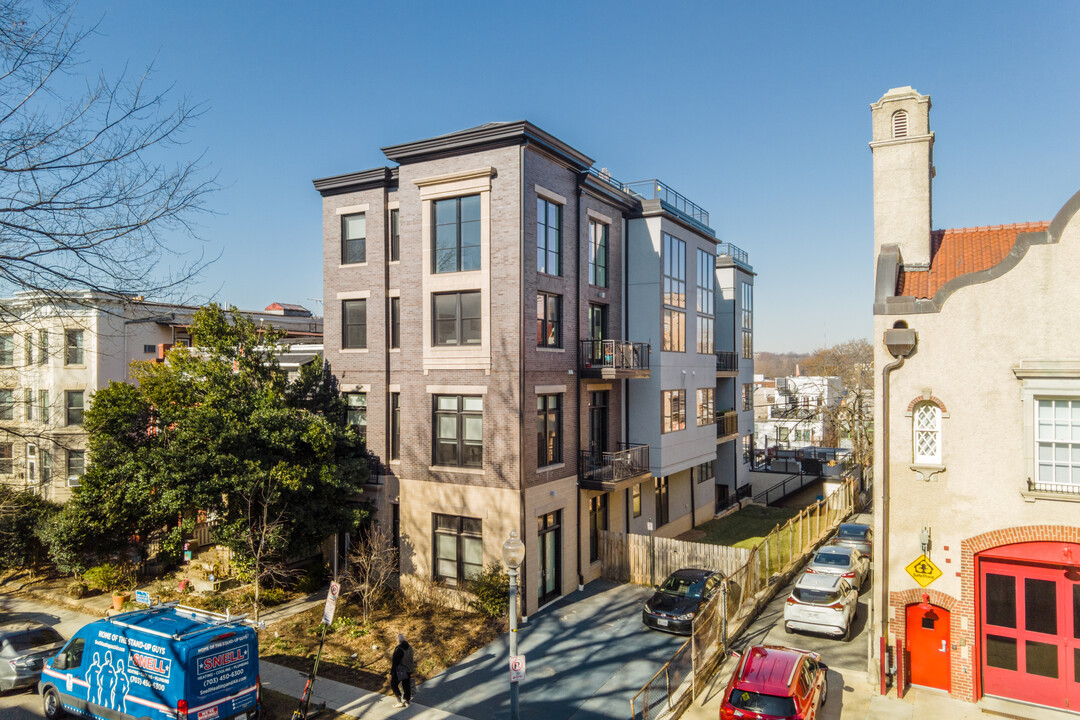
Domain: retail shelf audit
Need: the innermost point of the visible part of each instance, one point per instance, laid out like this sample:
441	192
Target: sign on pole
331	603
517	668
142	596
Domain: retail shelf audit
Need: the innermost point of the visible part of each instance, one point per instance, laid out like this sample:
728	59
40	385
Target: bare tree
372	563
853	417
263	536
89	198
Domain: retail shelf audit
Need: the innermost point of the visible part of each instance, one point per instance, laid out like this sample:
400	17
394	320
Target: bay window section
459	430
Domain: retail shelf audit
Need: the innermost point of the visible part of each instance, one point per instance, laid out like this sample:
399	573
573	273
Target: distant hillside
773	365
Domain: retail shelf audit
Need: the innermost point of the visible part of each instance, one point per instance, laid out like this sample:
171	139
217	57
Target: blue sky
757	111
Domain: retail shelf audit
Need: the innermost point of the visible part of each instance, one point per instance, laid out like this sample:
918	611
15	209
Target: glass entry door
598	421
549	580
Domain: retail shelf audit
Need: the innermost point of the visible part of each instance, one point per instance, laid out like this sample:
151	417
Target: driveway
25	704
586	656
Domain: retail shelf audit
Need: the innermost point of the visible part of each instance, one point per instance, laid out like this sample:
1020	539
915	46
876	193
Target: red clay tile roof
961	251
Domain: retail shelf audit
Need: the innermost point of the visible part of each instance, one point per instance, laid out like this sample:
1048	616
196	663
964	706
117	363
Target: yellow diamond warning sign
923	570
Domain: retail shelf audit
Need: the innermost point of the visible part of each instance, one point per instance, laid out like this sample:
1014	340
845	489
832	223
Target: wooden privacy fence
646	560
729	612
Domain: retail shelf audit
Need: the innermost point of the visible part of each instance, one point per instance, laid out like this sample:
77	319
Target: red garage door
1030	623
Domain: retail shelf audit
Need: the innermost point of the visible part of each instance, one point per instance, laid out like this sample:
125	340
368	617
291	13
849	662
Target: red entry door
928	646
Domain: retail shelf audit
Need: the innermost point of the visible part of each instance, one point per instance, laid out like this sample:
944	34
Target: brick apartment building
977	468
532	347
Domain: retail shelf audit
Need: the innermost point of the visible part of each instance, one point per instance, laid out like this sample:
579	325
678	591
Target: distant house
56	351
800	413
977	464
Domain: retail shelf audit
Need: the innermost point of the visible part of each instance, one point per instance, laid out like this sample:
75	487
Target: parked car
844	561
823	604
23	649
677	599
855	535
775	682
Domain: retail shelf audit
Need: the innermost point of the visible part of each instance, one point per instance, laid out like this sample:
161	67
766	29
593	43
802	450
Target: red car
773	682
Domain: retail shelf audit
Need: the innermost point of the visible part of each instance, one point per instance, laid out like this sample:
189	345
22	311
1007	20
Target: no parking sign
517	668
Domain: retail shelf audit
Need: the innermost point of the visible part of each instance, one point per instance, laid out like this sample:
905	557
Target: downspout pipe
901	343
522	581
579	182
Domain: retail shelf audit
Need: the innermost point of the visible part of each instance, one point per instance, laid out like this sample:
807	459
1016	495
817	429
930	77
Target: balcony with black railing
727	425
727	361
610	471
613	359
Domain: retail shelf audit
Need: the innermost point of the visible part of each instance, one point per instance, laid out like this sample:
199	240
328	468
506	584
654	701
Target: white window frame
926	410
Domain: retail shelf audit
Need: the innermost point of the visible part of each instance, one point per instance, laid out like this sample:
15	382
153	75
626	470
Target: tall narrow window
395	236
548	236
706	406
74	407
672	410
674	288
43	406
747	396
459	430
28	403
457	234
357	413
7	349
598	253
45	467
662	502
7	404
706	297
927	425
353	239
7	456
457	318
76	467
636	500
395	426
28	346
598	520
43	347
747	321
354	324
74	347
548	429
395	323
548	320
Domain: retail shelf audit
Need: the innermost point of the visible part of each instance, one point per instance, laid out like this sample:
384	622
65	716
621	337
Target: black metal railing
786	487
1060	488
614	354
727	423
728	361
656	190
736	253
629	460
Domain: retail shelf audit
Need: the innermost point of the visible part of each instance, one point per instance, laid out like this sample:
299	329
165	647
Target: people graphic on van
120	688
108	680
93	678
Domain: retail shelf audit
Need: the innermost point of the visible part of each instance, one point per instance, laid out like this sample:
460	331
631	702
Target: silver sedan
843	561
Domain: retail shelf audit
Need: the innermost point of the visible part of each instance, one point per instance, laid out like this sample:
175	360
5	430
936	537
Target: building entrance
1029	602
928	646
549	533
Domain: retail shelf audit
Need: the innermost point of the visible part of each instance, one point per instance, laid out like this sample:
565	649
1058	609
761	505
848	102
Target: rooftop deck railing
736	253
656	190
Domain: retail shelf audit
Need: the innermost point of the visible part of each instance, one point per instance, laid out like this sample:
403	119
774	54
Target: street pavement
586	656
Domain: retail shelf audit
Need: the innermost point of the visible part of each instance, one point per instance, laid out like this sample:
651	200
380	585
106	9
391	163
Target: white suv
822	604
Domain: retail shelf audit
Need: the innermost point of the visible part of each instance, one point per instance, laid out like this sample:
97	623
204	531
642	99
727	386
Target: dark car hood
672	604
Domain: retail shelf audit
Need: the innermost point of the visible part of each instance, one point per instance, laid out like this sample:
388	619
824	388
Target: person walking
401	670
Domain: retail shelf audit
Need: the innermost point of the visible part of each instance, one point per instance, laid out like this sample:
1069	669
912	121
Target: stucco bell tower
903	148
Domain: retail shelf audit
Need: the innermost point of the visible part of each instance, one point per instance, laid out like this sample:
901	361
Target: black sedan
676	601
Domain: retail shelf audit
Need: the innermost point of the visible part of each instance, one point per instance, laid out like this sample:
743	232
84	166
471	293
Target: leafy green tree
219	427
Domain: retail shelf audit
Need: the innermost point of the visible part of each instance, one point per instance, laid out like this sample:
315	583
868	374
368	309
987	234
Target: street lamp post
513	552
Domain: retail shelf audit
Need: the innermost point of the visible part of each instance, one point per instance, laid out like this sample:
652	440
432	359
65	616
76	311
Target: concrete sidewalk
346	698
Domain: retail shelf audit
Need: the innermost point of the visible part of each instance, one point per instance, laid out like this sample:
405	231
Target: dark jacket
403	656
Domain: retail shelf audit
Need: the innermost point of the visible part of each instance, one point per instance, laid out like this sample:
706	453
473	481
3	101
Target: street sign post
517	668
331	602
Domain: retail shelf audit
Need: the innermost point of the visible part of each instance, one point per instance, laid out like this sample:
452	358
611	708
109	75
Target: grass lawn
748	527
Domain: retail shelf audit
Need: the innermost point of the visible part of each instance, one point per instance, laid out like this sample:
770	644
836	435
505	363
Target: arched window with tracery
926	431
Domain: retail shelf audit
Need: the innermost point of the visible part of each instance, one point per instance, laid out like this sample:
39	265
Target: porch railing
727	361
615	354
727	423
629	460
